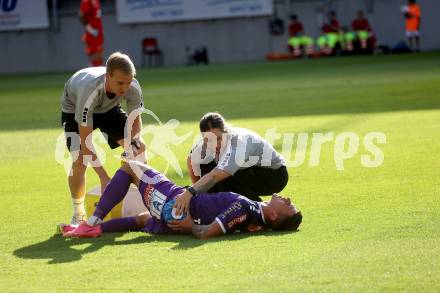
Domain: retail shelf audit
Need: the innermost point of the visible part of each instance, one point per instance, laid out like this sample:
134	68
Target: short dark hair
293	17
212	120
288	224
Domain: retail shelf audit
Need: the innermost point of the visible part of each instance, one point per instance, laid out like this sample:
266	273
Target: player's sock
120	225
113	194
93	221
78	206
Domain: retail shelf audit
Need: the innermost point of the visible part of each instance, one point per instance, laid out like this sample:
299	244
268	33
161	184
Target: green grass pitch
364	229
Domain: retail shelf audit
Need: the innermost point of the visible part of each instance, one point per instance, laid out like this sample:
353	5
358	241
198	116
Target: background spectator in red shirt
332	26
329	41
296	28
90	16
297	39
363	30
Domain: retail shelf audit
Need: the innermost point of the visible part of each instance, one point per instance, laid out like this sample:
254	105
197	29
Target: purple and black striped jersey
232	211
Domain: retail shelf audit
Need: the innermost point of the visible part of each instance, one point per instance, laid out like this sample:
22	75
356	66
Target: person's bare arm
135	141
193	177
207	181
137	127
204	184
207	231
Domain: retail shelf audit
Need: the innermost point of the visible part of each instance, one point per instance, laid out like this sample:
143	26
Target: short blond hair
120	61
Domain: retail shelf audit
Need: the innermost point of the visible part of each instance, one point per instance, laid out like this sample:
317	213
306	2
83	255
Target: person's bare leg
77	185
411	43
142	219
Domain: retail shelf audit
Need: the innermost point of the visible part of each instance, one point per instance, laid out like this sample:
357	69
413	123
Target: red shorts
94	49
93	45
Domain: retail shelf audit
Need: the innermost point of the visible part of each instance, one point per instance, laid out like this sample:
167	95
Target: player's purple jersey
232	211
156	189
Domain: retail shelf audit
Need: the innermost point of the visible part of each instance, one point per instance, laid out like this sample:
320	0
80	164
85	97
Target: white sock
78	206
92	221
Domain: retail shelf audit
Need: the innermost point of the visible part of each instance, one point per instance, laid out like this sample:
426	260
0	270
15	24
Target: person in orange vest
412	15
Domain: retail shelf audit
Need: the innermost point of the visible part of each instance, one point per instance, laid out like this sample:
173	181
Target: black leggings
251	182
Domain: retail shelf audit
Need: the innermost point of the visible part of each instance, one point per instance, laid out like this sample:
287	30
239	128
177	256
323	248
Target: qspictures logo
297	149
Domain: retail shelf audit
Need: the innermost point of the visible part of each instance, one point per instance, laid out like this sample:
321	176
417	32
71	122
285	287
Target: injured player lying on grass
209	214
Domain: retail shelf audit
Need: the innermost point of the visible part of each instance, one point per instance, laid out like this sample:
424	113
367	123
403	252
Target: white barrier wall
228	40
178	10
23	14
232	40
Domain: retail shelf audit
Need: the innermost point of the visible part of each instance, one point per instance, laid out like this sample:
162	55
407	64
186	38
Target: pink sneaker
64	228
84	231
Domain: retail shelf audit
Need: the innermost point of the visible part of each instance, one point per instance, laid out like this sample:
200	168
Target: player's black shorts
111	123
251	182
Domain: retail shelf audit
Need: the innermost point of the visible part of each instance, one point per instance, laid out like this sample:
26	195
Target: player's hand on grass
182	202
184	226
